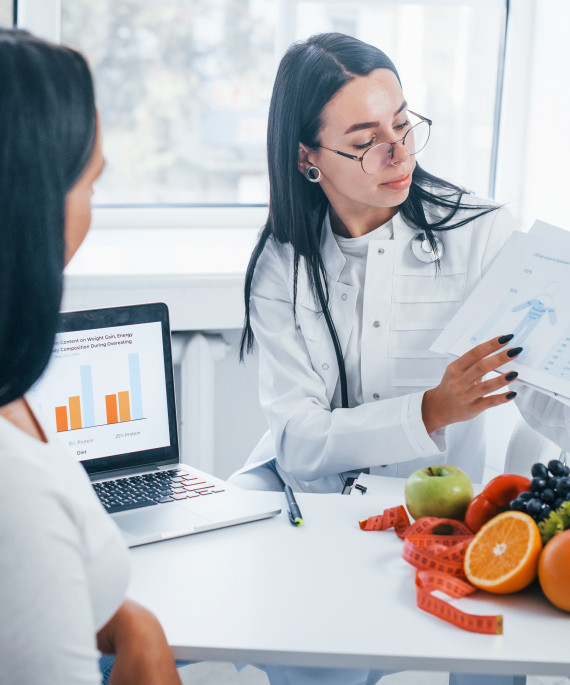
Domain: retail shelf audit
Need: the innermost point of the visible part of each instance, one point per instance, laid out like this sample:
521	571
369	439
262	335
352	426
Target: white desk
328	594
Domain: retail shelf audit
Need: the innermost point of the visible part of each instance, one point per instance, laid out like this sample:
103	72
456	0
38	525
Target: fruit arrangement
497	541
521	525
549	489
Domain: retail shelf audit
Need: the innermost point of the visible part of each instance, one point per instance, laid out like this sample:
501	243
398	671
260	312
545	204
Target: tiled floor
212	673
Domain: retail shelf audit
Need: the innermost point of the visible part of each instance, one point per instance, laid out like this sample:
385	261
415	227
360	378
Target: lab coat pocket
430	288
414	316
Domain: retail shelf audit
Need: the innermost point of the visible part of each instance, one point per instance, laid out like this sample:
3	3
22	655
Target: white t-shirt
355	251
63	564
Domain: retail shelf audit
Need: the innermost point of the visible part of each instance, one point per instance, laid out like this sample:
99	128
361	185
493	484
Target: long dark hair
47	134
309	74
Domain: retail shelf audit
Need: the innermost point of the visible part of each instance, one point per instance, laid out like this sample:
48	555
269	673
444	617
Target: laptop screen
108	391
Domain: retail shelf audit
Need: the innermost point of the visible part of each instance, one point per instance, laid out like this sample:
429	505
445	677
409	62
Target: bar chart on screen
104	391
120	407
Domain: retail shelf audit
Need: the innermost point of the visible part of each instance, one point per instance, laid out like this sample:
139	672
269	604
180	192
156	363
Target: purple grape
548	496
518	505
534	506
539	470
556	467
537	484
544	513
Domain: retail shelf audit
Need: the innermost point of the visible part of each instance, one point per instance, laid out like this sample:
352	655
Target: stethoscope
423	252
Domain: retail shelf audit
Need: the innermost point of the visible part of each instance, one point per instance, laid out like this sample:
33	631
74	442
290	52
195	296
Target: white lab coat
310	436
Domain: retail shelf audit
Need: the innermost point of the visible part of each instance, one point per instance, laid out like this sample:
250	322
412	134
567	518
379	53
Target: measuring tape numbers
438	559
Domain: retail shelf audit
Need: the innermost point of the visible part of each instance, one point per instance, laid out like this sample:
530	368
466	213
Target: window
183	87
6	9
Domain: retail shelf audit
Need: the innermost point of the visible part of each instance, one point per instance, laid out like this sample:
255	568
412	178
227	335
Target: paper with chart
525	292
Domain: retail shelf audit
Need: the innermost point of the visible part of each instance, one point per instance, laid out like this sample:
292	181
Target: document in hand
525	292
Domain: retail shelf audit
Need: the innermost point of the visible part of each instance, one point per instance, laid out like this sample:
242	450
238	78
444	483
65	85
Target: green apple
443	491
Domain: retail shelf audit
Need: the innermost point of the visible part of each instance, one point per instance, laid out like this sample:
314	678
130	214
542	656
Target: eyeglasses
377	157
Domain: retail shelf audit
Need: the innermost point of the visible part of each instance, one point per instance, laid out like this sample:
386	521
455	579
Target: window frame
43	18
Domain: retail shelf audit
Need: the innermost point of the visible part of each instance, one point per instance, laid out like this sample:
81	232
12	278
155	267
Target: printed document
525	292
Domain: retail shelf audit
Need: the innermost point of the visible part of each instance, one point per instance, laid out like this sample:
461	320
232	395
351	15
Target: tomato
479	511
494	499
504	488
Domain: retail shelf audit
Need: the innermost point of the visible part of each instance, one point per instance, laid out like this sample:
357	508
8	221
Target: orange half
503	556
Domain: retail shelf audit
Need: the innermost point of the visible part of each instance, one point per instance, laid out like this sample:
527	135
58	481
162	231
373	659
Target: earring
313	174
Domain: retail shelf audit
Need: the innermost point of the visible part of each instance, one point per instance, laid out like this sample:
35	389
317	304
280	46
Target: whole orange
554	570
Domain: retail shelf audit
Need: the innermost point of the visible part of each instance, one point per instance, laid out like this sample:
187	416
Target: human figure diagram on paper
537	308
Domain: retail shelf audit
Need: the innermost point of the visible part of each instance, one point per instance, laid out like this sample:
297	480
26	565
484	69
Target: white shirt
63	564
311	437
355	251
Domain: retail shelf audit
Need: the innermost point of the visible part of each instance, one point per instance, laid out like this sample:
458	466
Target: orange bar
74	412
124	406
111	404
61	419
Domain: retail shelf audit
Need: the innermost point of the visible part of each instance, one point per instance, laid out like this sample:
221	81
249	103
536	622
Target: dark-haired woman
63	564
363	260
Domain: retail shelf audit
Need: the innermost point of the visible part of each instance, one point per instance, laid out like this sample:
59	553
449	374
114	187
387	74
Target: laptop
108	393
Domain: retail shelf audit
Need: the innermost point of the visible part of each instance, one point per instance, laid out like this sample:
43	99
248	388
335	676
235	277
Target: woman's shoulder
467	210
274	264
34	472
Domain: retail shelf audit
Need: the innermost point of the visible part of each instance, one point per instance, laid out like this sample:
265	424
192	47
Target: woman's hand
142	654
462	394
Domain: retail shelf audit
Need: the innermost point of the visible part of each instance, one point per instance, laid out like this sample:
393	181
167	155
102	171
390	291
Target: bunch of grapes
549	489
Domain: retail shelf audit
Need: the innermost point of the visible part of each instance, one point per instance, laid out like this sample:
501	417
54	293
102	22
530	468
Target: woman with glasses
364	259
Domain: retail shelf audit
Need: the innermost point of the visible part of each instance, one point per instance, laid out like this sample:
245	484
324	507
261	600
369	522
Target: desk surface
328	594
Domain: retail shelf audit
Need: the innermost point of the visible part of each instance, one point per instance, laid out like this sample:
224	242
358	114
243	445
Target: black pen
294	512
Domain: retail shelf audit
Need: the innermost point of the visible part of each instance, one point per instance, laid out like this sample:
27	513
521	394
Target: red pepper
496	496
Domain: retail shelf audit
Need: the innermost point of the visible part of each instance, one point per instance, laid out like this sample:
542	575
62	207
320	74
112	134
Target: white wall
238	420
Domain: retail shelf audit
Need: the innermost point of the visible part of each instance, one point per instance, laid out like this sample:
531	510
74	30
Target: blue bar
136	392
87	401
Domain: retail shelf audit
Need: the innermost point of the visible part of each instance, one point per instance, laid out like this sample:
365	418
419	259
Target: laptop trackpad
152	522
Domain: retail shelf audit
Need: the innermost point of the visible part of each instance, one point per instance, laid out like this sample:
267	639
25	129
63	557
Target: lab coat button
380	250
325	366
376	324
343	296
376	396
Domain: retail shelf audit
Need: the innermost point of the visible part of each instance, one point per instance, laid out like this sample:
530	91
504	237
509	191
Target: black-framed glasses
377	157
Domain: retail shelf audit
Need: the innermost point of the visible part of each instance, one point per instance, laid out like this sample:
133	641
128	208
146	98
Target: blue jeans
106	662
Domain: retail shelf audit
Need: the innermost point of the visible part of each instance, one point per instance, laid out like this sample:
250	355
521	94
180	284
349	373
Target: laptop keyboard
149	489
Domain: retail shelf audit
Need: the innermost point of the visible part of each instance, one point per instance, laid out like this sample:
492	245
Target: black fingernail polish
514	352
511	376
505	338
511	395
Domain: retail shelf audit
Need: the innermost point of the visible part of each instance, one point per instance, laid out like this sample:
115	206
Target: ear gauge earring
313	174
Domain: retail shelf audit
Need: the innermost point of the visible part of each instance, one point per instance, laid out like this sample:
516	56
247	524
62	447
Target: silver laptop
108	392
